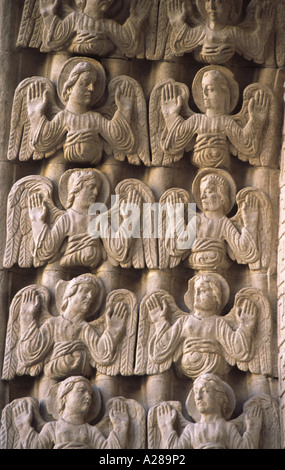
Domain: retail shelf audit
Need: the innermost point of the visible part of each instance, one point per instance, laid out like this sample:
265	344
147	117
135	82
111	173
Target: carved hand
155	310
249	210
176	13
166	415
264	15
119	416
116	317
140	8
37	208
48	7
248	314
30	304
253	419
258	106
124	97
171	101
175	207
22	415
133	200
37	99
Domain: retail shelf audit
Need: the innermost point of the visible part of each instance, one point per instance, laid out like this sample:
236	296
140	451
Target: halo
232	84
69	66
192	410
52	403
103	194
96	304
219	172
225	290
234	13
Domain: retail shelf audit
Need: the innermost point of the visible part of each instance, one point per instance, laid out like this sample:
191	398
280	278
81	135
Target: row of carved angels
133	230
87	334
84	128
74	406
213	30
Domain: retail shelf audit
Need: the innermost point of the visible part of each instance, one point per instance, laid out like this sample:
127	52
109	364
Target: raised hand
37	208
48	7
30	303
247	314
166	415
176	13
22	414
140	8
157	311
253	419
258	106
37	99
171	101
119	415
116	317
124	97
250	212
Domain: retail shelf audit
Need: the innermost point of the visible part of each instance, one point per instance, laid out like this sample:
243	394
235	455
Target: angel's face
212	93
100	5
204	297
80	4
206	397
88	193
218	11
210	198
82	299
78	399
82	92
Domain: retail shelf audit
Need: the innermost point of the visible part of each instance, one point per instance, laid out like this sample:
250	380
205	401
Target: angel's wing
20	142
19	237
12	365
31	28
138	121
169	254
146	331
137	426
153	432
123	360
157	126
270	430
258	152
264	227
262	351
10	438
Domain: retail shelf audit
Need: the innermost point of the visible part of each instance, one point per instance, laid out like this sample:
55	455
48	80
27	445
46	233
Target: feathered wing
264	227
19	236
123	360
11	363
169	254
31	27
257	152
20	139
153	432
137	426
146	331
262	350
138	122
270	429
157	126
10	438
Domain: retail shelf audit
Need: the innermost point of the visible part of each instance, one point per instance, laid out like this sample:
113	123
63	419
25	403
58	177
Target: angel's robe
217	242
219	434
81	135
200	345
218	46
215	139
65	435
66	348
106	35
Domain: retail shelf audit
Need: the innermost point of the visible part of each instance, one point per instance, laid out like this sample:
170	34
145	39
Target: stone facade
142	188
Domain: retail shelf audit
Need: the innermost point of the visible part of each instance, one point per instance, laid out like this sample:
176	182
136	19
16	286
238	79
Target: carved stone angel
38	232
73	404
39	127
202	340
218	33
214	135
211	403
82	28
218	240
69	343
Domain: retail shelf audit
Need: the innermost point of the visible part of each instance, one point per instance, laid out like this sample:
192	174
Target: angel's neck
75	107
216	214
96	14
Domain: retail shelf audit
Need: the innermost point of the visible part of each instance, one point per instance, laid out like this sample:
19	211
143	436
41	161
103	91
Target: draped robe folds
106	35
218	434
217	242
64	435
215	138
199	346
217	47
65	348
78	134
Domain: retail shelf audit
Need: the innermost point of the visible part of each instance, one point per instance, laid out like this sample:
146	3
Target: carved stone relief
142	251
